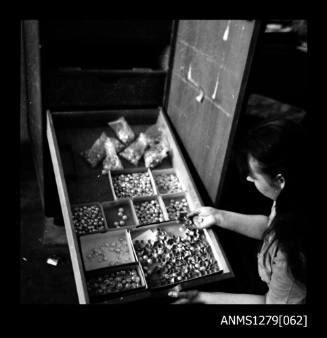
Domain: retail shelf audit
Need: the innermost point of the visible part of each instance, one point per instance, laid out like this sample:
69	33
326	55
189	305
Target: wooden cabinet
202	92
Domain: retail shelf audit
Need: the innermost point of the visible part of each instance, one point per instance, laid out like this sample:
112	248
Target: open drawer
70	133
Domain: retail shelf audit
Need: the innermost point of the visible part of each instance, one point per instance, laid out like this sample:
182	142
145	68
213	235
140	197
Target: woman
274	153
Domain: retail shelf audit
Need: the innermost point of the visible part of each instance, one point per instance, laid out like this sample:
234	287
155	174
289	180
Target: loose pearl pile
132	185
172	259
176	207
114	281
88	219
149	212
167	183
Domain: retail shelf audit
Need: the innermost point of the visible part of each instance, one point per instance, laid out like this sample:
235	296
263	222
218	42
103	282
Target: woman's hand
194	296
205	217
188	297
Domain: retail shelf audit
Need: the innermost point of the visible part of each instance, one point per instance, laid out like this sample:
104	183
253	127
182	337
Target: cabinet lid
210	63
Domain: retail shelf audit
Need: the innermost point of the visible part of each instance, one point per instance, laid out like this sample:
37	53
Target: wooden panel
104	44
66	89
179	163
33	97
208	73
203	36
66	211
220	256
23	101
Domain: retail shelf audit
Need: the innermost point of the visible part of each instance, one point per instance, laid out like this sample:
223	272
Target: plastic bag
122	130
112	161
135	151
97	152
118	145
156	154
154	134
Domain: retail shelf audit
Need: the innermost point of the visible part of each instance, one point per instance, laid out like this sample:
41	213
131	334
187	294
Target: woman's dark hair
280	147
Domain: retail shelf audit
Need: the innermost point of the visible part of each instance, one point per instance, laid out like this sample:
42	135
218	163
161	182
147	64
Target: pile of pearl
149	212
132	185
173	259
167	183
88	219
176	207
115	281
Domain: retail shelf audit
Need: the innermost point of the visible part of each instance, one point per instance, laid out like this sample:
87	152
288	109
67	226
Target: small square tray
124	172
89	231
103	250
167	172
175	197
103	293
139	200
111	210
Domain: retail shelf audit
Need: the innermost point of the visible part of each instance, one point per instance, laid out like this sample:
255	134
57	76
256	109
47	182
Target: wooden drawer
77	131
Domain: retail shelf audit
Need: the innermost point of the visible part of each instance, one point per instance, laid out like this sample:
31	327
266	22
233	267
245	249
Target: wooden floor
40	283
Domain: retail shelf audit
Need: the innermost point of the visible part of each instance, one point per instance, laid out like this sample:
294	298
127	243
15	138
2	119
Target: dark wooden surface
104	44
74	89
98	64
35	120
210	56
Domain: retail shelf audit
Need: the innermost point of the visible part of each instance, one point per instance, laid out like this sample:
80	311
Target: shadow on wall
23	111
23	120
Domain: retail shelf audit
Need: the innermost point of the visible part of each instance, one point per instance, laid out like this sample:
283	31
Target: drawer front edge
66	211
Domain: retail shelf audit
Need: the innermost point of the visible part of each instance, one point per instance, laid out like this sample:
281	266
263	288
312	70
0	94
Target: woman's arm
230	298
193	296
249	225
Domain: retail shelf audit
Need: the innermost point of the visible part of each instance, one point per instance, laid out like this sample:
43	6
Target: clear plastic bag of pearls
122	130
111	161
135	150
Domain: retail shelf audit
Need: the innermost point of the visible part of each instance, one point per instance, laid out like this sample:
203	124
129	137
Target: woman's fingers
193	213
173	294
205	217
202	222
181	301
202	211
206	221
